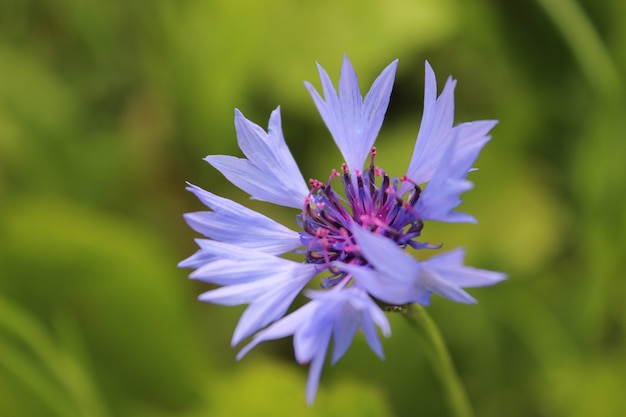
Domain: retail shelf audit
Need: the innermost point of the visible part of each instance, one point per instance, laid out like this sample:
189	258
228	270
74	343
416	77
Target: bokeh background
108	107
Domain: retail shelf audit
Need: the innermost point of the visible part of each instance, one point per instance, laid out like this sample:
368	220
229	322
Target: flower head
353	229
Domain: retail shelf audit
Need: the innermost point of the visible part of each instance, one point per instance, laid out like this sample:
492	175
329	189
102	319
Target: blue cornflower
356	238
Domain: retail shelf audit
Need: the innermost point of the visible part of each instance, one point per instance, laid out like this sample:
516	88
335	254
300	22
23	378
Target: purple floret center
372	200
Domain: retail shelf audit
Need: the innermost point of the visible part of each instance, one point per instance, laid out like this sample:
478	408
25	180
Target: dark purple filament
328	217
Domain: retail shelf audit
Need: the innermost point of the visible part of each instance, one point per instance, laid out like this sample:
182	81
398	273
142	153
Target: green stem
586	44
428	331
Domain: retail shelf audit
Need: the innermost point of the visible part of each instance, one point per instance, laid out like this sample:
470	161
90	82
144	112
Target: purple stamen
327	218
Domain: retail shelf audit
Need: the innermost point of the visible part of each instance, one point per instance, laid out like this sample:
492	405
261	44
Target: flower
356	237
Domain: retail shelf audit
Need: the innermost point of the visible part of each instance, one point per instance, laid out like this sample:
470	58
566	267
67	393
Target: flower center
327	217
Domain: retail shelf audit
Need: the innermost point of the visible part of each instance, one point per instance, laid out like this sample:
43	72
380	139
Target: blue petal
358	310
431	282
343	311
338	312
449	266
445	274
269	173
315	370
313	334
393	279
248	292
440	197
392	289
371	337
269	299
442	194
399	279
267	308
436	132
435	128
347	323
197	260
471	137
346	310
233	223
284	327
353	122
230	264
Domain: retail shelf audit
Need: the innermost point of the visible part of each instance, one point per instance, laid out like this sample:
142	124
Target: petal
350	97
442	194
269	173
269	151
378	317
248	292
235	265
269	306
435	128
343	311
471	138
392	289
357	309
449	266
384	254
347	322
436	133
231	272
445	275
315	371
237	294
442	197
282	328
233	223
197	260
371	336
432	282
353	122
313	334
337	312
399	279
393	278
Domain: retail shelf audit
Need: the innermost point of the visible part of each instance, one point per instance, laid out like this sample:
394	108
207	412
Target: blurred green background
107	107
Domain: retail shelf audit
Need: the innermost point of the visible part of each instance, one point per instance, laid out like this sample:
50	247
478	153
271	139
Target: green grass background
107	107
